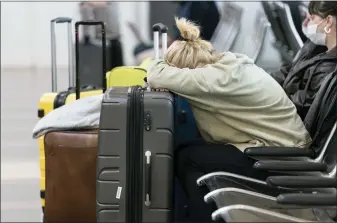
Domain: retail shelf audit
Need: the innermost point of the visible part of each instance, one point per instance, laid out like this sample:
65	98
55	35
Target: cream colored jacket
235	102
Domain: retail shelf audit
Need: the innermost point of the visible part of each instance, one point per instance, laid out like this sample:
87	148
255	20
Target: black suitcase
135	178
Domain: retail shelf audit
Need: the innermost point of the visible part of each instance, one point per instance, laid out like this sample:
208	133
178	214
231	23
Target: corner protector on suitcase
40	113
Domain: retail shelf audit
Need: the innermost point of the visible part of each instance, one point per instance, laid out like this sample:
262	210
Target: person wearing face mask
318	57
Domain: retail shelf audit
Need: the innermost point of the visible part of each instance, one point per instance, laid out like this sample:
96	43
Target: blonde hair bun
192	52
188	30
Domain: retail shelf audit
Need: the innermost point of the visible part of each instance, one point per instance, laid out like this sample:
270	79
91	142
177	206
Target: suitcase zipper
129	213
138	151
134	157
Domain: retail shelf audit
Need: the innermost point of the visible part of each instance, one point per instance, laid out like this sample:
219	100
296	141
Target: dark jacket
322	114
302	79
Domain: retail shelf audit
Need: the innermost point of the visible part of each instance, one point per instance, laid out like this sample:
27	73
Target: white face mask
317	38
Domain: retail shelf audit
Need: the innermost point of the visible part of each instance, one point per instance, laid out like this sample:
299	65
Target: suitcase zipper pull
148	178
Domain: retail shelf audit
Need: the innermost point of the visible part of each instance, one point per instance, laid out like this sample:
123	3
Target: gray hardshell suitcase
135	177
135	156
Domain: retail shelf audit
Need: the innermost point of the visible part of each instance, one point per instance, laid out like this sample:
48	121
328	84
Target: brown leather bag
71	176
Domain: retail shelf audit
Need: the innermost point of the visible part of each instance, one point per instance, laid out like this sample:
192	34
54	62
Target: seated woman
236	105
317	58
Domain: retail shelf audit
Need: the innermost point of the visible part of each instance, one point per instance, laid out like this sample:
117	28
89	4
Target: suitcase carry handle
104	67
148	179
53	52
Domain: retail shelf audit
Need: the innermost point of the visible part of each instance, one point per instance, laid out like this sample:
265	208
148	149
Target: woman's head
322	21
191	51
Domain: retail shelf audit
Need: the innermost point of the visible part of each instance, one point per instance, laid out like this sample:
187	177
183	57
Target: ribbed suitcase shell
112	169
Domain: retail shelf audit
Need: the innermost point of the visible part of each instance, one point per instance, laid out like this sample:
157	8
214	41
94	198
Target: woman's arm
181	81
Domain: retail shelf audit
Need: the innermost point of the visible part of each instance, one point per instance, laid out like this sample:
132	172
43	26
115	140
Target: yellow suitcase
128	76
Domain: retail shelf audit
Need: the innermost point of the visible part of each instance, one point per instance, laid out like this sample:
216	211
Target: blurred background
242	27
28	25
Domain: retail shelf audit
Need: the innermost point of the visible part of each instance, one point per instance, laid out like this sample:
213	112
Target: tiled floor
20	184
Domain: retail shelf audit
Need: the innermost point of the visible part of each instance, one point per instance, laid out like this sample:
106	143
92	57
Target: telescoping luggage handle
156	28
53	52
104	67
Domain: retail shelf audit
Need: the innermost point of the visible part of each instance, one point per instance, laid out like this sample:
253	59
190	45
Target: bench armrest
321	199
272	165
302	182
278	152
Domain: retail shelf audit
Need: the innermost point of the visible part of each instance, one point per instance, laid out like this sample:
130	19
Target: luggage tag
119	192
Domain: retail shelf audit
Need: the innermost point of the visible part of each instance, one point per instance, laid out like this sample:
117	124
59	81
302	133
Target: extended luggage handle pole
53	52
156	28
104	67
164	31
